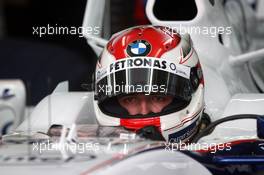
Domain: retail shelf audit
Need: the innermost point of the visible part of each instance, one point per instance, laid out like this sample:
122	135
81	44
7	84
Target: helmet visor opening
143	80
113	108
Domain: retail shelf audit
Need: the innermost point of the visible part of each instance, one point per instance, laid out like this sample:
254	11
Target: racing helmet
150	60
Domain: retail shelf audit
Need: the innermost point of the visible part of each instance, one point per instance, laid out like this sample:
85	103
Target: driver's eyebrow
129	96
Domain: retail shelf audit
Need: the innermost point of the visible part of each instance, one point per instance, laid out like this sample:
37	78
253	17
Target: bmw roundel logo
138	48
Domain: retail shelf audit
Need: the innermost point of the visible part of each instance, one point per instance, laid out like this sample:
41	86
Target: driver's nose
144	107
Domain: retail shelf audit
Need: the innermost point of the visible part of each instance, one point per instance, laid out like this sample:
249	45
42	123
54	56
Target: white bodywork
108	156
61	108
223	79
12	104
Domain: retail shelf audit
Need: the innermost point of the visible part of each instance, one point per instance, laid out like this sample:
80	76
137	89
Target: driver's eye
129	100
158	98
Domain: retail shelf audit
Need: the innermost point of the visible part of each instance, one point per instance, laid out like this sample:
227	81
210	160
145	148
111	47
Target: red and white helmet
154	60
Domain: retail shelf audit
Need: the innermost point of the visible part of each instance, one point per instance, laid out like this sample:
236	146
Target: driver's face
144	104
